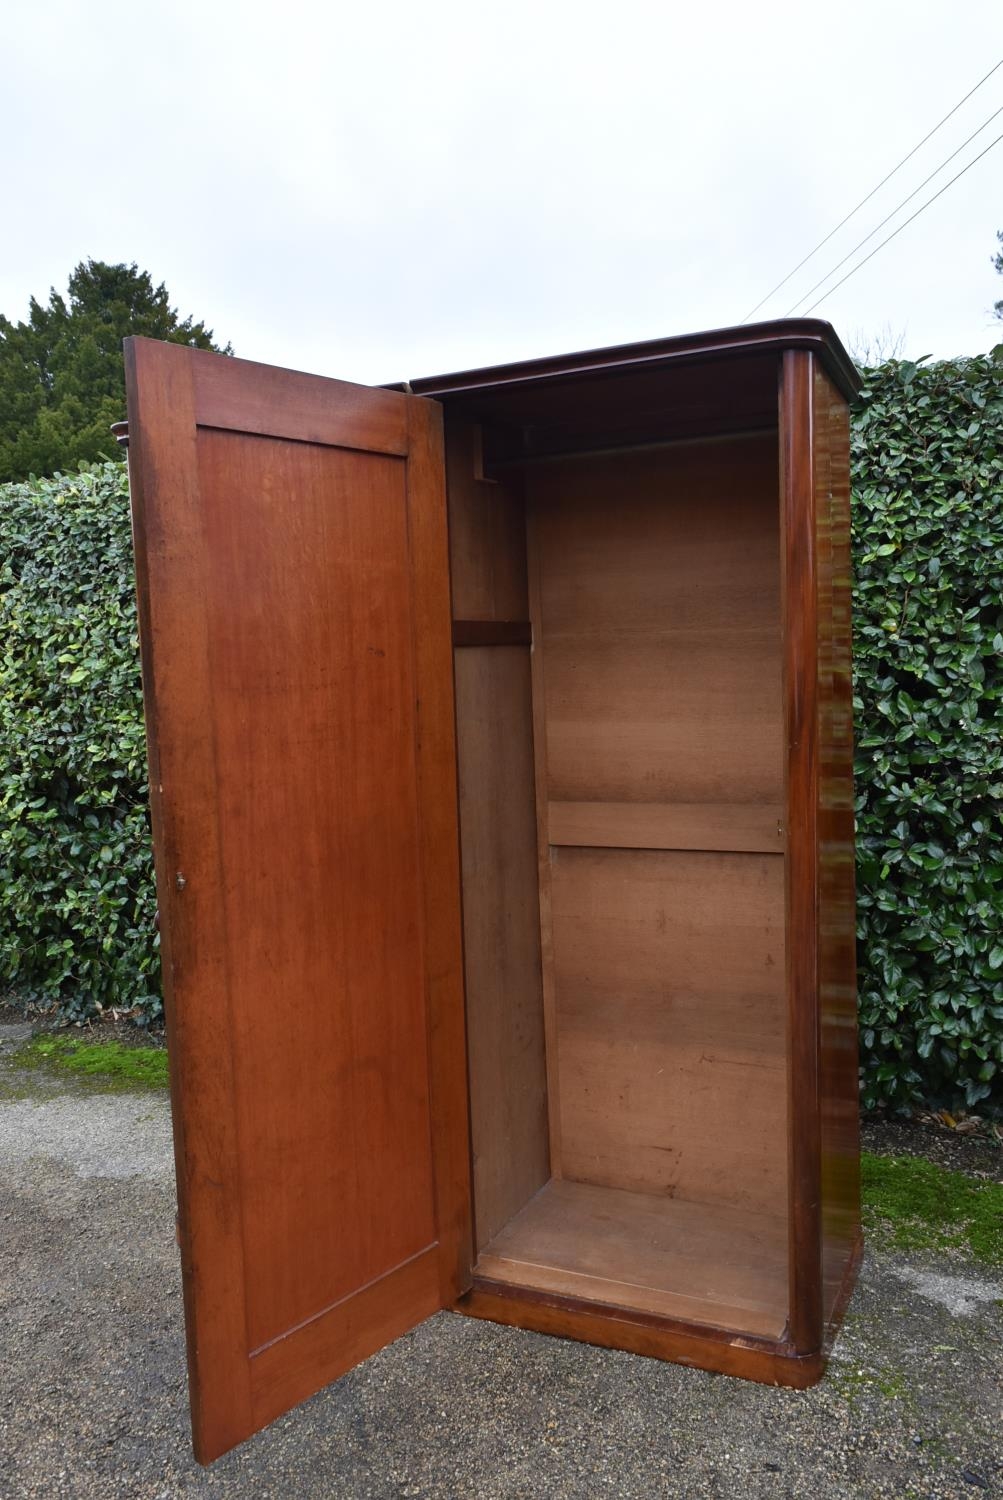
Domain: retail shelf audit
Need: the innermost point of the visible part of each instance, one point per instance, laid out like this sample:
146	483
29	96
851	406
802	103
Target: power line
861	243
870	195
854	269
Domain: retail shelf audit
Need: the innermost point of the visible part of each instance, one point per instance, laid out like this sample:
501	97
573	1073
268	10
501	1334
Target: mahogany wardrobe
501	781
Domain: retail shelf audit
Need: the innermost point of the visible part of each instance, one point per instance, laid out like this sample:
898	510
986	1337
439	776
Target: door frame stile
160	383
801	771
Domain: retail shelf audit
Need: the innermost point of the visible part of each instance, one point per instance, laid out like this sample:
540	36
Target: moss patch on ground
912	1204
111	1064
857	1382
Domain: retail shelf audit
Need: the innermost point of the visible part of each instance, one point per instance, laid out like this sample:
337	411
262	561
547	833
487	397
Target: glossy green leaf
927	459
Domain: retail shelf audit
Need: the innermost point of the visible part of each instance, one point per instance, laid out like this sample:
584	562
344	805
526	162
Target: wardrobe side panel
501	923
838	1075
501	913
487	534
798	548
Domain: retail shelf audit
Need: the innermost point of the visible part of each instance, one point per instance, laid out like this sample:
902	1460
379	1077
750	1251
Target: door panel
292	574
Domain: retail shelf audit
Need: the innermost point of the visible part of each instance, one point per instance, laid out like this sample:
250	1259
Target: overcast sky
386	190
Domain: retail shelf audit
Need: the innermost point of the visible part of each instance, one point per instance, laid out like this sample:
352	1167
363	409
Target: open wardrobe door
294	610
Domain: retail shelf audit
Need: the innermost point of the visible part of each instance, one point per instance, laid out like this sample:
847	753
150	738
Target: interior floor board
702	1262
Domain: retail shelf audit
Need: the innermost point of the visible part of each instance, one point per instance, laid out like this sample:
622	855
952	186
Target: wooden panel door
293	584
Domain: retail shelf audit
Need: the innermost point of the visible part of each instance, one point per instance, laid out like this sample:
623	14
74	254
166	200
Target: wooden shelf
735	827
702	1262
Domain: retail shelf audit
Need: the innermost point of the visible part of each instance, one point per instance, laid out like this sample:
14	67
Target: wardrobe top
713	345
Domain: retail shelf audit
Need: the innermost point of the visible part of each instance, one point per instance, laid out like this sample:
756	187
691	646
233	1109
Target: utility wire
870	195
854	269
861	243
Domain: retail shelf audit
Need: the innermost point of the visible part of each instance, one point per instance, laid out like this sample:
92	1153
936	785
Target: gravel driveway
92	1382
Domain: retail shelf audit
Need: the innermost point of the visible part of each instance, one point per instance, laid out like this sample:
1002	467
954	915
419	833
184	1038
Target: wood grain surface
800	604
839	1086
698	1262
501	922
296	651
750	827
669	976
660	625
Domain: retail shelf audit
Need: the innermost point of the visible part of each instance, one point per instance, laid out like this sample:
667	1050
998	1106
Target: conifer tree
62	380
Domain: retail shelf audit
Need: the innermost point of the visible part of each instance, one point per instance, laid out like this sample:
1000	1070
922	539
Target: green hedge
76	883
928	640
76	888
